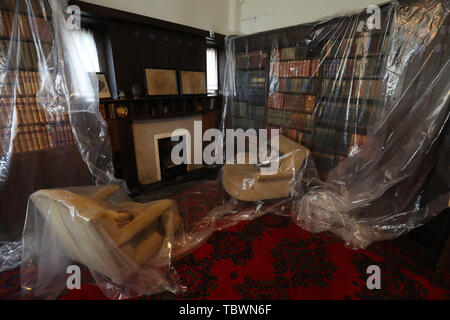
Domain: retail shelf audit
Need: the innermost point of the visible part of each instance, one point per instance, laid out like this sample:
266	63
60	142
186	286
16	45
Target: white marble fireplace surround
146	133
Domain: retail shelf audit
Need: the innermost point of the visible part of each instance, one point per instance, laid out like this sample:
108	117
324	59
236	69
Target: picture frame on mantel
103	87
193	82
161	82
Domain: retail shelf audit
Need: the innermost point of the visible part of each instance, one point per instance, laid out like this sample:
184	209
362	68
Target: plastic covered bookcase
367	93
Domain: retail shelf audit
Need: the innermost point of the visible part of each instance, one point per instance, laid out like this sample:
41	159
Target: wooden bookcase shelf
370	55
248	107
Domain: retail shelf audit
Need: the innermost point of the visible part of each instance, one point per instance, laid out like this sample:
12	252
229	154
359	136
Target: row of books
30	85
28	58
304	138
365	44
292	102
252	60
360	67
331	140
255	96
23	32
300	51
295	68
361	89
238	123
35	138
343	115
299	102
244	110
275	100
28	112
21	76
293	85
288	119
251	79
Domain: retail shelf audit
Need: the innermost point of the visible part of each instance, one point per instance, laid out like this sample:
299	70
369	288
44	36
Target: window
87	49
84	59
211	70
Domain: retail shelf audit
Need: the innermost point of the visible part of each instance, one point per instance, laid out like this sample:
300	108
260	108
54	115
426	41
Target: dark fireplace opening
169	170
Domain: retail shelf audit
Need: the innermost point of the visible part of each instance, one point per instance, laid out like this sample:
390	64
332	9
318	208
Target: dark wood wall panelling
137	47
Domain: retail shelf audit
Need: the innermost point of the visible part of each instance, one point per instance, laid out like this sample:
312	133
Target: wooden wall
136	47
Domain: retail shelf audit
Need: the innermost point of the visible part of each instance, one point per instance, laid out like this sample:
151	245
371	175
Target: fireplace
151	165
167	169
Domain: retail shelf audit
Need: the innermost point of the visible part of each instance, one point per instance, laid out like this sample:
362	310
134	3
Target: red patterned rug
271	258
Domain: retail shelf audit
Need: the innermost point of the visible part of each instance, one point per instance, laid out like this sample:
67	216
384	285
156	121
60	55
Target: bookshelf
294	86
248	109
351	94
26	126
37	147
322	89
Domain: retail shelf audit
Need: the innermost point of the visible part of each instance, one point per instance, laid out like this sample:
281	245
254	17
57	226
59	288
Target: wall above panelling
264	15
201	14
238	16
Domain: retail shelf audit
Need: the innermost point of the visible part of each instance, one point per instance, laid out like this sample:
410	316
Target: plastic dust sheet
52	136
50	112
367	94
362	107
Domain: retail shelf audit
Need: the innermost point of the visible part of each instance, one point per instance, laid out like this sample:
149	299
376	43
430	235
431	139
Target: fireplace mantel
131	123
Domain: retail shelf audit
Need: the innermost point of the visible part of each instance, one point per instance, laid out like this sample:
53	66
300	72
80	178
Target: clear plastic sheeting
128	247
248	193
367	93
78	93
10	255
51	132
105	231
362	113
